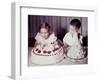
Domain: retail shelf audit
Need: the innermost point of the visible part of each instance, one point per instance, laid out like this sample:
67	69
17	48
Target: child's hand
43	45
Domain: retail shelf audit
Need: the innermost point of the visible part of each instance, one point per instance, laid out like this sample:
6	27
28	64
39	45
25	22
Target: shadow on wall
61	34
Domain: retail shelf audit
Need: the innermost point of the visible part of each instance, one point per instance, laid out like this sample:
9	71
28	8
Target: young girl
45	38
47	49
73	40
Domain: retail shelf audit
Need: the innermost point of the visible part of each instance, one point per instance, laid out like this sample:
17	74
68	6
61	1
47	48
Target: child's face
44	33
72	29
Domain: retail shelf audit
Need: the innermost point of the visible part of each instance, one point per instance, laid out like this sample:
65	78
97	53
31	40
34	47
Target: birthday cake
47	54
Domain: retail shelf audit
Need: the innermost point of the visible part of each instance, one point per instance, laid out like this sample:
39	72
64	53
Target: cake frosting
46	56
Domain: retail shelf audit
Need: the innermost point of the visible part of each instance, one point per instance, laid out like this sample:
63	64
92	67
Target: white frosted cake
47	55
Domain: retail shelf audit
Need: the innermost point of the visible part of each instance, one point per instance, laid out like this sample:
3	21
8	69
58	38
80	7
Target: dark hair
46	26
76	23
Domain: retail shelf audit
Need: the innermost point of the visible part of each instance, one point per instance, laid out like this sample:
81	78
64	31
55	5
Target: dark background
59	24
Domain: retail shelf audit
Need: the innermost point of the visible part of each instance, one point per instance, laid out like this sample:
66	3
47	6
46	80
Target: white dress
47	42
75	50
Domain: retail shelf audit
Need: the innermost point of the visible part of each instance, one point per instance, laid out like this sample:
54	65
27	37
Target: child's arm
39	39
67	40
71	39
75	38
36	43
66	47
52	38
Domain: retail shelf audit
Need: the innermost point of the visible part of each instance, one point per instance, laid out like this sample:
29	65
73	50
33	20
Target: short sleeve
38	38
68	40
71	41
52	38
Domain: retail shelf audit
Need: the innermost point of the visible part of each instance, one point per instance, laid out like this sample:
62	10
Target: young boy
72	40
